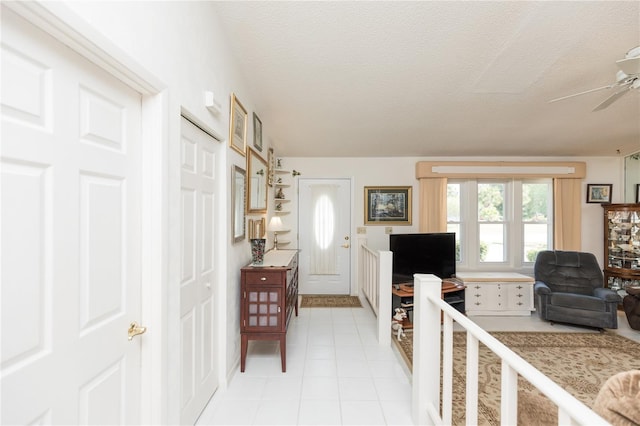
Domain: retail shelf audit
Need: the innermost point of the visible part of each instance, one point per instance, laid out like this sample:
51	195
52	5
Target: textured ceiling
376	79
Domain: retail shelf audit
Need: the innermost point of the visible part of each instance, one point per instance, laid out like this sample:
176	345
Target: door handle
345	245
135	329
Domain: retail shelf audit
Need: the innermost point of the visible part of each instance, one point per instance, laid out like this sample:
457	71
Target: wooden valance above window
500	169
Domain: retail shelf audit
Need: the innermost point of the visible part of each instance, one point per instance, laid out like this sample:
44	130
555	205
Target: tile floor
337	374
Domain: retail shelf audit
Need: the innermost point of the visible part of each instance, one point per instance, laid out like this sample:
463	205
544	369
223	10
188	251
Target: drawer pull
263	278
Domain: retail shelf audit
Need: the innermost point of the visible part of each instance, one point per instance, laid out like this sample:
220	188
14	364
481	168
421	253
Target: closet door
199	197
71	235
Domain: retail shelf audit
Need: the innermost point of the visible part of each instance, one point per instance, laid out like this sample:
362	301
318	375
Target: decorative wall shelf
283	194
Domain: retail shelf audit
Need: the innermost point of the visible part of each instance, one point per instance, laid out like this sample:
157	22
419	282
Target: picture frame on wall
271	161
637	192
257	132
599	193
238	193
387	205
238	126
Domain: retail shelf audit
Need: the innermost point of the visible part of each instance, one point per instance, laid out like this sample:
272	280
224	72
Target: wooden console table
268	296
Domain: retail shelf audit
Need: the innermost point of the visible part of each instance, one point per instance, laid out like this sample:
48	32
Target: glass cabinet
621	245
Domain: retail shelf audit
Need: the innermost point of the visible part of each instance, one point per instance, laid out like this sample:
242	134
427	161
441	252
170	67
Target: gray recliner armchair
570	289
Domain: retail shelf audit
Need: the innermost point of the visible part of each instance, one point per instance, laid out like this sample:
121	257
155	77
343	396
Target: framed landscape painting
238	126
599	193
387	205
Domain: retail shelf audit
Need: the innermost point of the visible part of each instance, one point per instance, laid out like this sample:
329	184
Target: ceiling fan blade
611	99
629	66
582	93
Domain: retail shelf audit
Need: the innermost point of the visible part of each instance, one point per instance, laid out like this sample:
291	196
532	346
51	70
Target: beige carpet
329	301
579	362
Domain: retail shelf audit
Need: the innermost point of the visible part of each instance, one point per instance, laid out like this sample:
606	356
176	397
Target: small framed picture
257	132
598	193
238	126
387	205
271	162
637	192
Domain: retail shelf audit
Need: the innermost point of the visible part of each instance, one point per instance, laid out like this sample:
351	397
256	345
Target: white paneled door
199	198
325	236
71	239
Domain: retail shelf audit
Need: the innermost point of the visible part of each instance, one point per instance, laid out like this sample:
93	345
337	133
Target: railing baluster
447	369
472	380
509	395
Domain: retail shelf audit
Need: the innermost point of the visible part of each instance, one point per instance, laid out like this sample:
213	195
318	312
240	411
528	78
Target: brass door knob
135	329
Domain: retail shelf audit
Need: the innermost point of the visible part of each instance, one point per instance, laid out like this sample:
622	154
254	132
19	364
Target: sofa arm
541	288
607	295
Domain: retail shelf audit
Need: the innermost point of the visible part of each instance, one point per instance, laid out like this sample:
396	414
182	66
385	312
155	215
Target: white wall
400	171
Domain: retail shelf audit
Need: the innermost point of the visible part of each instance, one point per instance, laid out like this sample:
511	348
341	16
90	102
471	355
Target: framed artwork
387	205
271	160
637	192
257	173
238	184
238	126
598	193
257	132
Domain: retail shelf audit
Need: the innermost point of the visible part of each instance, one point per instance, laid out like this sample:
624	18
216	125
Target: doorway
324	229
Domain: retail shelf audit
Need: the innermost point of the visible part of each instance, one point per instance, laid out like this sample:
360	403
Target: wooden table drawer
263	277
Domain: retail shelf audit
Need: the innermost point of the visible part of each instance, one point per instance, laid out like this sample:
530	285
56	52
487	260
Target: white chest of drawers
498	293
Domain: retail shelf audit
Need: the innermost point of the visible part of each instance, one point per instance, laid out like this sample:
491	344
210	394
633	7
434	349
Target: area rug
578	362
329	301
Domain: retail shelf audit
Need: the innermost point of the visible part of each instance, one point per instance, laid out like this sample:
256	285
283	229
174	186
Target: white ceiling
377	79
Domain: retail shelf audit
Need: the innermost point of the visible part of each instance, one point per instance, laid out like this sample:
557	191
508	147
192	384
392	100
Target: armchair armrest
541	288
607	294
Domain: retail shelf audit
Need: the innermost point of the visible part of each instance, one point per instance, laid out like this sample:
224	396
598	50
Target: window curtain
324	248
433	205
567	183
567	214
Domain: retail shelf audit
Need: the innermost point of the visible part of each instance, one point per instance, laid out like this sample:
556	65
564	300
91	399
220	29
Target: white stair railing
427	331
375	273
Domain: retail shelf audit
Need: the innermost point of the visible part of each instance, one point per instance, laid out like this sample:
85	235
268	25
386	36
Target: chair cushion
634	291
617	401
568	271
567	258
631	306
578	301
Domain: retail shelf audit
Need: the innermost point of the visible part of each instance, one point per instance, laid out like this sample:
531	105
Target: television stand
402	297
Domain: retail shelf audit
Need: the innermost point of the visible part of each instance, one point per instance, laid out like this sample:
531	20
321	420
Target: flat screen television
427	253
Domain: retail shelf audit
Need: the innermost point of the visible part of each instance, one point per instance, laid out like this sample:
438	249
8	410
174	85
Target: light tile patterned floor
337	374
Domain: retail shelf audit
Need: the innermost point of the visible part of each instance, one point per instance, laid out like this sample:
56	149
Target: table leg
243	351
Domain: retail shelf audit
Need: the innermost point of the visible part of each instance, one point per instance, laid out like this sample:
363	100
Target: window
499	223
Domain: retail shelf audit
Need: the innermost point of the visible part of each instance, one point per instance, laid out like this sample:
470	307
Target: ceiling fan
627	78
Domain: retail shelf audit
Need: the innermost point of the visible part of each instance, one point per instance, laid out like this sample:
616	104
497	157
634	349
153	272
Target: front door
199	198
324	236
71	235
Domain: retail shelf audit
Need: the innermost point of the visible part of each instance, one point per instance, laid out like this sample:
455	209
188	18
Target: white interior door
71	230
324	236
199	198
